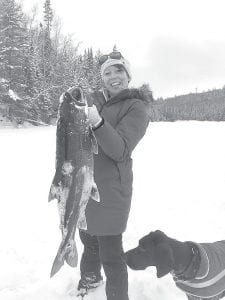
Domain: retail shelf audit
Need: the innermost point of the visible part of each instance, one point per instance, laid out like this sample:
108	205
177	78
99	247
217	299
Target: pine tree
32	61
66	68
81	71
48	16
13	44
88	71
45	70
46	43
89	67
30	72
98	83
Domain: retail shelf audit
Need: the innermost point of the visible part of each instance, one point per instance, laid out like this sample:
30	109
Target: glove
94	116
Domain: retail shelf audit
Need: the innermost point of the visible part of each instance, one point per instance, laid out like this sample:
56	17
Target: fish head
75	108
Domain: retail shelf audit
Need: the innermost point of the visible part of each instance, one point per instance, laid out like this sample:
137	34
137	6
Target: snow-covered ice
179	187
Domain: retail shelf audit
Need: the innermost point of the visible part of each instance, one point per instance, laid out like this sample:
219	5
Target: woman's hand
94	116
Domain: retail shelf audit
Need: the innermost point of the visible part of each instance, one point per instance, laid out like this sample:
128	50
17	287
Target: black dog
198	269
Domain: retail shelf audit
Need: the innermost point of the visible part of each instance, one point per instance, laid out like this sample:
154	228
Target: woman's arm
118	143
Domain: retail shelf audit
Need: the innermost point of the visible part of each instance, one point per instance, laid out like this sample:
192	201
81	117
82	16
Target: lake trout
73	183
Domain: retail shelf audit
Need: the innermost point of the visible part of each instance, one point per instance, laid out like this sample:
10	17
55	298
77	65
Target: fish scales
73	183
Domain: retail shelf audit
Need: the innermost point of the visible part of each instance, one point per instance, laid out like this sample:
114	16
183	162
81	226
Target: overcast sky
177	46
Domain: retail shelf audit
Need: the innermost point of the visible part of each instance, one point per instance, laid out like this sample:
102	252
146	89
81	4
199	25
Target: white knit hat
111	62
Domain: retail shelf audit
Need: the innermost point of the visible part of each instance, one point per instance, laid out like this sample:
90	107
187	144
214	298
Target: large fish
73	184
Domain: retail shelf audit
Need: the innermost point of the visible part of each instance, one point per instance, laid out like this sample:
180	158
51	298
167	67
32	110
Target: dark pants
106	251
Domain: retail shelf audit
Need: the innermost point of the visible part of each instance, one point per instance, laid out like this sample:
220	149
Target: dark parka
126	117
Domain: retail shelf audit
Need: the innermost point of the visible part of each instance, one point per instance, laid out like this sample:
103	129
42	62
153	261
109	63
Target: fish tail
94	193
70	255
57	264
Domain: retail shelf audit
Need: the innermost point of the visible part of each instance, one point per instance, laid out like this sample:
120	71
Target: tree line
205	106
38	63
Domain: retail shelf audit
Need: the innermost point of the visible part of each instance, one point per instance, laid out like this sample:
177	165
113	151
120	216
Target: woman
119	117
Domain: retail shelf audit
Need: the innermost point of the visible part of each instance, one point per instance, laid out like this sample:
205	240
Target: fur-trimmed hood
100	98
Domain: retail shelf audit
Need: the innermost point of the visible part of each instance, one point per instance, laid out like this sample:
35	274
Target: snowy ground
179	187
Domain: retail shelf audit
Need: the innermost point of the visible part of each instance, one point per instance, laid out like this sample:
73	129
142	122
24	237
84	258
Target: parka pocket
125	171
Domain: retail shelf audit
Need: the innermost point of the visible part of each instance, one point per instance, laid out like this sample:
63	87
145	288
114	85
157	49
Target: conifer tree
88	67
13	44
48	16
96	70
30	72
46	45
45	50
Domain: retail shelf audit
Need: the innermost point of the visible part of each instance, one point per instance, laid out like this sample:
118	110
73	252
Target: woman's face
115	79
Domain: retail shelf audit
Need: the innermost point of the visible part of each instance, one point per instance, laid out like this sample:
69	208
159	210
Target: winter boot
88	282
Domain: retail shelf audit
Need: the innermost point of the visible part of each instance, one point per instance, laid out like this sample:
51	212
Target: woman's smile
115	83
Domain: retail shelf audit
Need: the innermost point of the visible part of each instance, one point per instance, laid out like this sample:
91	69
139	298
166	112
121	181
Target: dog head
153	250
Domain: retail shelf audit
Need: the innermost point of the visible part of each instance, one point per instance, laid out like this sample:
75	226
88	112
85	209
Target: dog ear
164	259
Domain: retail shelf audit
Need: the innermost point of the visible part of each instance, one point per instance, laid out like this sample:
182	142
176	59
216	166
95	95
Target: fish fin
94	193
57	264
71	256
82	223
54	193
94	142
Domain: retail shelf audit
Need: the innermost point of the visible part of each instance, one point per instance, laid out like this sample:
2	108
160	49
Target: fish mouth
78	96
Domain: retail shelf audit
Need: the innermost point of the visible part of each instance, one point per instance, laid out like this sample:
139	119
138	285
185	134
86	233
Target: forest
38	62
